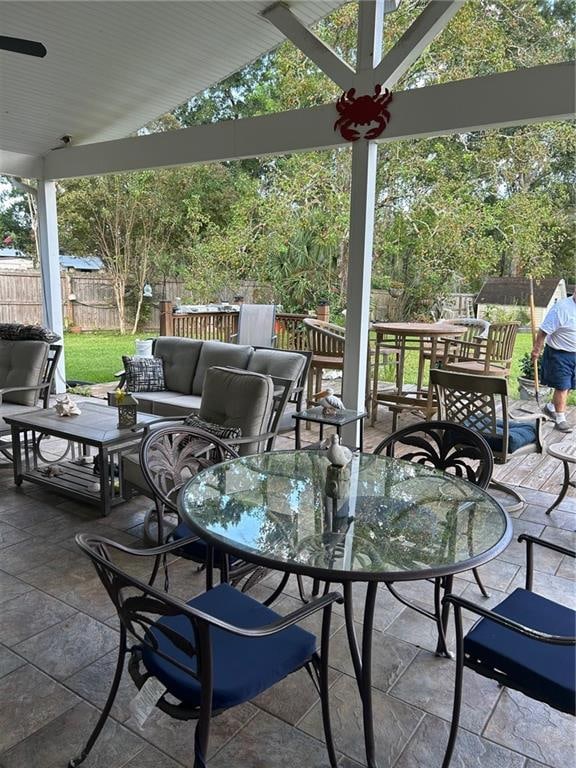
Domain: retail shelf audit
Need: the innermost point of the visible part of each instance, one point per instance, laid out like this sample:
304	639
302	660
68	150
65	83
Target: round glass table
378	520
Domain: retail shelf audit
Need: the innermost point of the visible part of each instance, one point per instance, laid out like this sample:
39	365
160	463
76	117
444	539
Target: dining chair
454	449
256	325
169	456
525	643
484	357
198	659
481	404
326	342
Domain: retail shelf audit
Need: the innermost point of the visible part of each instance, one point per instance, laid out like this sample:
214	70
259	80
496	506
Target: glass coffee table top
394	521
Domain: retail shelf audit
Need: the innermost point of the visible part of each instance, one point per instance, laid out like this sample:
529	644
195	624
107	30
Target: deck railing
220	326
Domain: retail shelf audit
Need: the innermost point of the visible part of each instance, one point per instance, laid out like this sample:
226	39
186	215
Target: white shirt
559	325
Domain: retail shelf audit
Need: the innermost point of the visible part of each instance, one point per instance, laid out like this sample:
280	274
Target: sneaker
547	412
563	426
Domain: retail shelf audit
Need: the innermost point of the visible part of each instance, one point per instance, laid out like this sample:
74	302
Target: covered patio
111	68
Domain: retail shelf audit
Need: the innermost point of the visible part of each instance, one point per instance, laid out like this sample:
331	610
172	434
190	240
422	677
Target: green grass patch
96	357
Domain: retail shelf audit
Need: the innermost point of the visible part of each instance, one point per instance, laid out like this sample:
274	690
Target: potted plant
526	384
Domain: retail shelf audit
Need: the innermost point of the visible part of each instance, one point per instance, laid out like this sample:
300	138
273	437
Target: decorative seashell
65	406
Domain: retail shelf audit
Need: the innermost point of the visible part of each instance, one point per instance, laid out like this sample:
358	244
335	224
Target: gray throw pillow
144	374
19	332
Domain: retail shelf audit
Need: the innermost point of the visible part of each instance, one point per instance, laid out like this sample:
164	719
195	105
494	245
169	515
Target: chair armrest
36	388
280	624
530	541
146	427
544	637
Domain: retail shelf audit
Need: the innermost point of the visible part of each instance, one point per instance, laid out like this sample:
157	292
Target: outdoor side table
96	427
566	452
337	419
400	521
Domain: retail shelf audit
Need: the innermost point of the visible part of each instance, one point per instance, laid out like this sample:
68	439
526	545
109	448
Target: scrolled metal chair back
169	456
453	448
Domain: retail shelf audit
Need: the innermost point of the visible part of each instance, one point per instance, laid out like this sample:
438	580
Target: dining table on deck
377	521
402	337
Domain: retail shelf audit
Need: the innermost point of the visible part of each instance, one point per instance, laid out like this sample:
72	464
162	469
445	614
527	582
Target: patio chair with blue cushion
197	659
525	643
481	404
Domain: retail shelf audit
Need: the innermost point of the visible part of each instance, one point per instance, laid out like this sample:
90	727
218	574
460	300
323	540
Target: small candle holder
127	406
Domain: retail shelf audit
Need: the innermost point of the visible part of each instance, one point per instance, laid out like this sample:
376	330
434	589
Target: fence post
323	311
166	327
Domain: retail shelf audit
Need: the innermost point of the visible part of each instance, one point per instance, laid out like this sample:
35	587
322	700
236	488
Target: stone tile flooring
58	633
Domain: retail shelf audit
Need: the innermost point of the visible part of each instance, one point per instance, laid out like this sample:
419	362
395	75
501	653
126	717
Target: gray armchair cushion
12	409
22	364
180	358
216	353
237	398
278	363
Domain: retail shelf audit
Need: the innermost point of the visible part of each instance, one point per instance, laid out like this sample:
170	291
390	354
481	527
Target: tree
137	223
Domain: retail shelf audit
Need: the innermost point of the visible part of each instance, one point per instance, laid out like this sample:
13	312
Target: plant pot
527	389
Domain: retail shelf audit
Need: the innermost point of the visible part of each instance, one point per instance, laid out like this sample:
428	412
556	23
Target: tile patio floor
58	635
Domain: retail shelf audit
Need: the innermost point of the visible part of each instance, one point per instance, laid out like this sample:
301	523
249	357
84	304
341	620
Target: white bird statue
338	455
329	401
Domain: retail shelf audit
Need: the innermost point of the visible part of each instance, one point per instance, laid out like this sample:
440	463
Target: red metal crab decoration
363	111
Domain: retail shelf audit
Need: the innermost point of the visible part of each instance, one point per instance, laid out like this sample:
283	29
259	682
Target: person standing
557	335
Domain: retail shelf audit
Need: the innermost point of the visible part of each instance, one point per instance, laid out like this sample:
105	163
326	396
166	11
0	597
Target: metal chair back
256	325
453	448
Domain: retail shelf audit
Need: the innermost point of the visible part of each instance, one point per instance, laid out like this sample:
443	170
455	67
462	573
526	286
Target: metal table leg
565	485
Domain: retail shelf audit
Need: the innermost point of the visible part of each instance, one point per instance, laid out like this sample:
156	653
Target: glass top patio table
396	520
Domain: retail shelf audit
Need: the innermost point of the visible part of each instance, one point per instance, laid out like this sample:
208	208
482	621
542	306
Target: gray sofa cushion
180	358
22	364
215	353
237	398
276	362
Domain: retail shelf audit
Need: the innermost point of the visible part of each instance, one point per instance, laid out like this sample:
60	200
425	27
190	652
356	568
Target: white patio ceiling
112	66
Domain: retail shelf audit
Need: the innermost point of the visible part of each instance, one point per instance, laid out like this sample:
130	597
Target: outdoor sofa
185	362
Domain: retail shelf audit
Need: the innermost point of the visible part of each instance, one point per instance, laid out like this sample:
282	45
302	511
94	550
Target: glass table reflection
387	521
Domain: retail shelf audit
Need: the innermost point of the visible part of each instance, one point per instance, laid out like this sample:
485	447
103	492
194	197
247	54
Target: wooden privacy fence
93	307
220	326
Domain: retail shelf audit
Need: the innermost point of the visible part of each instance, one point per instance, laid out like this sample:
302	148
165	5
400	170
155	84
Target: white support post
50	268
362	202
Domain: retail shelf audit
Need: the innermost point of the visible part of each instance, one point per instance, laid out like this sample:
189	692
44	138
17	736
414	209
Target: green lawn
96	357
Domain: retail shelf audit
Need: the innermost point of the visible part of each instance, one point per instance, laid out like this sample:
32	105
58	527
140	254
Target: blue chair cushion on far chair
243	666
198	550
520	433
547	671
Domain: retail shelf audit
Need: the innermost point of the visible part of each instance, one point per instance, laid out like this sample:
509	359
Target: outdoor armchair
481	403
202	657
491	356
526	643
27	370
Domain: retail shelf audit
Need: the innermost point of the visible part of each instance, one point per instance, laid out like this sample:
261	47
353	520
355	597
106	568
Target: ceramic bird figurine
338	455
329	401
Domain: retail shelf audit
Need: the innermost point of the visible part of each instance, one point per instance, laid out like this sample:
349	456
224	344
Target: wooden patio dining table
405	337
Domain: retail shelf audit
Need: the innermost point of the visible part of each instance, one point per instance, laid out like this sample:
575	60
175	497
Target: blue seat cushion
243	667
547	670
520	433
198	550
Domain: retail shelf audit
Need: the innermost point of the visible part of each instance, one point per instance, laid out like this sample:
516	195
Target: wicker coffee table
97	482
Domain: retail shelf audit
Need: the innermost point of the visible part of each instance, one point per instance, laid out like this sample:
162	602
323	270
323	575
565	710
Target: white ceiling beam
306	41
417	37
510	98
16	164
